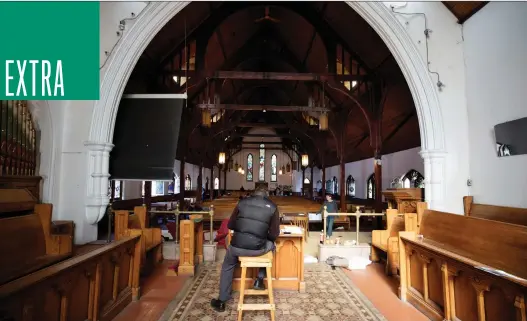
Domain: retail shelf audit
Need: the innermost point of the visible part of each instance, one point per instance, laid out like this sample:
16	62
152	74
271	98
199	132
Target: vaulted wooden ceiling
247	40
463	10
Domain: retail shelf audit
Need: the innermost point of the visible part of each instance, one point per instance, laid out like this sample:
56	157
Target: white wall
393	165
193	171
496	82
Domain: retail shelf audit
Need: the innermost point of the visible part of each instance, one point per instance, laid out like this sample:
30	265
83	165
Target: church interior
407	115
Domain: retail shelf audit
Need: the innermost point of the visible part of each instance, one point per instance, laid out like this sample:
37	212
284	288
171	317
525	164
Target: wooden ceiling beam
262	75
263	108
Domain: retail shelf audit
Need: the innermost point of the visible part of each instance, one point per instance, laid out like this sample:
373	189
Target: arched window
329	187
370	187
158	188
412	179
350	186
188	183
216	183
261	173
250	167
273	168
177	184
335	184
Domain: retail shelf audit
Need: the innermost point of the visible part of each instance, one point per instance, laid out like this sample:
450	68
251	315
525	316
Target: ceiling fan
267	17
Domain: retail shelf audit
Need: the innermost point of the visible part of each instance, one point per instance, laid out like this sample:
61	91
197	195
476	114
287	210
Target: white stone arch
156	14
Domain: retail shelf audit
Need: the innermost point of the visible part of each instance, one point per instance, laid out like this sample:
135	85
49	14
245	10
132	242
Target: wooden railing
93	286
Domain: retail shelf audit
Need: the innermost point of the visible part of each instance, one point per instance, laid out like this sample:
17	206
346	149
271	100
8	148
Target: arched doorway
156	14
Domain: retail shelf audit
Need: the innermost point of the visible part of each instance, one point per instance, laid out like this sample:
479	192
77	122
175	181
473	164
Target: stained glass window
188	183
273	168
177	185
350	186
370	184
261	173
250	167
216	183
413	179
158	188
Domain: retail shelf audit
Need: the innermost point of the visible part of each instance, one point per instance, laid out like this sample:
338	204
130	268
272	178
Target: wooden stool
265	261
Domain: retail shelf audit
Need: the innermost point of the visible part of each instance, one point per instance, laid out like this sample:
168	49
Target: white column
434	163
97	186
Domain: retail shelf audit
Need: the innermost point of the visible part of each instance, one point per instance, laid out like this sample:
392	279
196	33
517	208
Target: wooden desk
288	265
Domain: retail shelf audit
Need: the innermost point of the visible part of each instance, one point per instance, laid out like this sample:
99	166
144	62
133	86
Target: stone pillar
96	190
435	163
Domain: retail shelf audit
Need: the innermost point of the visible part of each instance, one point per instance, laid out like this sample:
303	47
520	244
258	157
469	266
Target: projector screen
146	138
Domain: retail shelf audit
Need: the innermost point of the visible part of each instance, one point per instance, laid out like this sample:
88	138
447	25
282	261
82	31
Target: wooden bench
29	239
513	215
127	224
385	243
465	268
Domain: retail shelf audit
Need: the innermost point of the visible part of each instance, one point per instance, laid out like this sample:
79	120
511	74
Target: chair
303	222
265	261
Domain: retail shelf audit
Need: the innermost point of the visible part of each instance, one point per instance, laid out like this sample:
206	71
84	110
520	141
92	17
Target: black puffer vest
252	223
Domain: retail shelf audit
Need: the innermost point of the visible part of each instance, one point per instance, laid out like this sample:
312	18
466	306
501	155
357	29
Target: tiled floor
159	289
156	293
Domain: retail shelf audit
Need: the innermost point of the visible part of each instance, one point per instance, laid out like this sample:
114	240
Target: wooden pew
454	271
95	285
29	239
151	239
513	215
385	243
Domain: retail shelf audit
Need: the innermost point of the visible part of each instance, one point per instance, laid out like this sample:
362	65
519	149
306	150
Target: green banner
49	50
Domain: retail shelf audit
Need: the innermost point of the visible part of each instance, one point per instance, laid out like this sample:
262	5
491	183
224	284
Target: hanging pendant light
221	158
305	160
323	121
205	118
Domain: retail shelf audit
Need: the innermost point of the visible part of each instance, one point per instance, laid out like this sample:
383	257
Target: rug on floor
330	295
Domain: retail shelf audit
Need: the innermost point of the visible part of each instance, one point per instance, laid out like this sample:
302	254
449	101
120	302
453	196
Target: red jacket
222	233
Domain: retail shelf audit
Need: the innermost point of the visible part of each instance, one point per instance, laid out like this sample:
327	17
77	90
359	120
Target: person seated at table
256	225
242	189
222	233
331	207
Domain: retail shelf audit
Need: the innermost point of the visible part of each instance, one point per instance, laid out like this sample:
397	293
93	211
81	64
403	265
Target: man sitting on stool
256	225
